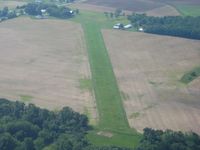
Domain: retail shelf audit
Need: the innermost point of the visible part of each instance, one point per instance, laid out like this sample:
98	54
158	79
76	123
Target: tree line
187	27
27	127
5	13
168	140
35	9
52	10
118	12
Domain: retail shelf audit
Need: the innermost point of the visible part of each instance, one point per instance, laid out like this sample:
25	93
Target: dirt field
10	4
148	69
42	62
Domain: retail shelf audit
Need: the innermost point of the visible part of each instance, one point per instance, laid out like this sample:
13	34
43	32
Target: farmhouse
141	29
43	10
38	1
44	14
127	26
115	27
121	26
118	26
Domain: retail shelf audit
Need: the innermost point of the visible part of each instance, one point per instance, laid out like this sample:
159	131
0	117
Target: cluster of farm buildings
128	26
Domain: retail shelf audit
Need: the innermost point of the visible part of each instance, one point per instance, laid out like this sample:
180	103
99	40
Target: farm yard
148	69
45	64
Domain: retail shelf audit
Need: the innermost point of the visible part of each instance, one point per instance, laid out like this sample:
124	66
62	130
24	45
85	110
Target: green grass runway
112	117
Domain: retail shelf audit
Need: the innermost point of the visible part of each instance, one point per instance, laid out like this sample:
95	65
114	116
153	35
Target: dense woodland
27	127
32	128
5	13
35	9
168	140
51	9
187	27
66	1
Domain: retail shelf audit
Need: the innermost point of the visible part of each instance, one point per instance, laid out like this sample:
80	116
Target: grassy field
148	69
112	117
189	10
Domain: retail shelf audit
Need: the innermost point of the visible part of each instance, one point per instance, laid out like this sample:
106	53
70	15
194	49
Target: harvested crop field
151	8
148	69
43	62
95	8
190	2
132	5
11	4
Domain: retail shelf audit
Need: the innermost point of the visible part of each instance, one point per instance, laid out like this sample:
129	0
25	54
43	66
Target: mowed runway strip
148	69
42	62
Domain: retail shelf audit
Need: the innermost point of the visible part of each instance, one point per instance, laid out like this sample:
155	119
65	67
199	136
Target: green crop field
112	117
190	76
189	10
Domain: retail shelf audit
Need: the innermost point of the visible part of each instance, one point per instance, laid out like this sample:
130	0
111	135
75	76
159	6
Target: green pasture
189	10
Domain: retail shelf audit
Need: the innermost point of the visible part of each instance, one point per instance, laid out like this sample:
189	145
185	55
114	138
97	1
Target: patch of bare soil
106	134
42	62
148	69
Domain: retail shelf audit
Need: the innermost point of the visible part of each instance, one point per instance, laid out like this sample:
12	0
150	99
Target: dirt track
148	69
42	62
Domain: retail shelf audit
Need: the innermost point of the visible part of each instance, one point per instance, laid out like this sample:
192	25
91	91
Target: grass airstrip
113	127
